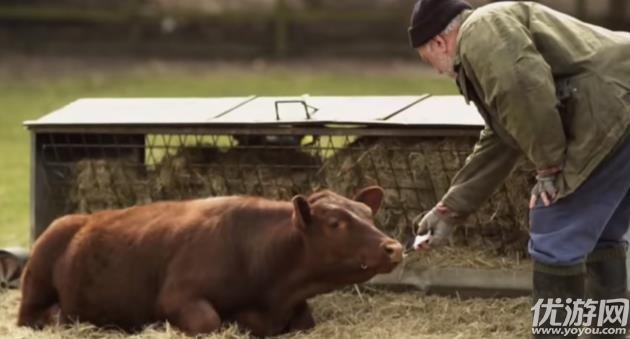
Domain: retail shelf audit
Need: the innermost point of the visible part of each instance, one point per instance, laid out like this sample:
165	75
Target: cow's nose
394	250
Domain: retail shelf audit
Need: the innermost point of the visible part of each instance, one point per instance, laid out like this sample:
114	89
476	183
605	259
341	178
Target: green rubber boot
606	279
557	283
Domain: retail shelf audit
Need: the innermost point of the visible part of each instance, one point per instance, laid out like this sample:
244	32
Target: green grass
28	94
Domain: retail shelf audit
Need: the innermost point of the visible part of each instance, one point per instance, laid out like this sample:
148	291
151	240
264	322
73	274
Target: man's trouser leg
563	234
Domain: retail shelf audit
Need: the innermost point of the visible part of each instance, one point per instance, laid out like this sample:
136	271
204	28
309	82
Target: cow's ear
301	212
371	196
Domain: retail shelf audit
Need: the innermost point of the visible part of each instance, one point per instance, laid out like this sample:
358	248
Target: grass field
29	88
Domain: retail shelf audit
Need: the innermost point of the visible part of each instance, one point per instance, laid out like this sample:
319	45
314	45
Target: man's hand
545	188
439	222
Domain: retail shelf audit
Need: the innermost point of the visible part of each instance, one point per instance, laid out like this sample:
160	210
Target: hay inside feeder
197	171
100	184
181	176
275	173
192	172
415	173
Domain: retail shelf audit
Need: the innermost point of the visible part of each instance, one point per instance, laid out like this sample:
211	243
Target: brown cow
201	263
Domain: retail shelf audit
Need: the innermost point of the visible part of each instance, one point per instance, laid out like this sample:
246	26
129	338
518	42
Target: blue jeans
596	215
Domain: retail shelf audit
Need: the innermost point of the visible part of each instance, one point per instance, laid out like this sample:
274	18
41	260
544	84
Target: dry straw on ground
347	314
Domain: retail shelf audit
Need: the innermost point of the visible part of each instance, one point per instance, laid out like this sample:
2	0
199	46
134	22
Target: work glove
435	227
545	188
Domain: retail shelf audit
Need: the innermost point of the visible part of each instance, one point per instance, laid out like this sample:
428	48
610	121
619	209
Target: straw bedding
351	314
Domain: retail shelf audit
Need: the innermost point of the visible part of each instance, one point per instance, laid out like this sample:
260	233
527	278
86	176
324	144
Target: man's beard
447	65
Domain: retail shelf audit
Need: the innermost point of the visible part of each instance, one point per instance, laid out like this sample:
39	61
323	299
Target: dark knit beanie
430	17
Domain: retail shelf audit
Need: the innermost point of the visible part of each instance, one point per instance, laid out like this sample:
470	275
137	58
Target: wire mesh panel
90	172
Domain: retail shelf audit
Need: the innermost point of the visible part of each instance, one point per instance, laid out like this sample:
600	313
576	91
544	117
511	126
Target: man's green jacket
550	87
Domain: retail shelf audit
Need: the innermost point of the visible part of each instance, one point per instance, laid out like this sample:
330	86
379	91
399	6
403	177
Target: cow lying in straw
201	263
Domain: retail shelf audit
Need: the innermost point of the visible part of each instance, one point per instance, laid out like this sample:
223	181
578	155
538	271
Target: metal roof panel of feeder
131	111
439	111
318	109
421	110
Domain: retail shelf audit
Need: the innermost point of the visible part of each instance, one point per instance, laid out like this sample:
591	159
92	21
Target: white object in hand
421	240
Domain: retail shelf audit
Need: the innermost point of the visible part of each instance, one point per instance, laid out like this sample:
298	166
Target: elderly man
554	90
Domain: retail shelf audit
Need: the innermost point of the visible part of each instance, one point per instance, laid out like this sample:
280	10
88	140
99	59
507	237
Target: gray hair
455	23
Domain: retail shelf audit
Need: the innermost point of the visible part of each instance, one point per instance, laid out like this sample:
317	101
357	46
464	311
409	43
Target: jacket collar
465	15
459	70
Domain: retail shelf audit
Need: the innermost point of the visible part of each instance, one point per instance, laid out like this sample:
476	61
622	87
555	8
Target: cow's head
342	243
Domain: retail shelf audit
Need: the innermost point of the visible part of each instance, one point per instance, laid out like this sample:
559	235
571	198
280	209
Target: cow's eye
335	224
